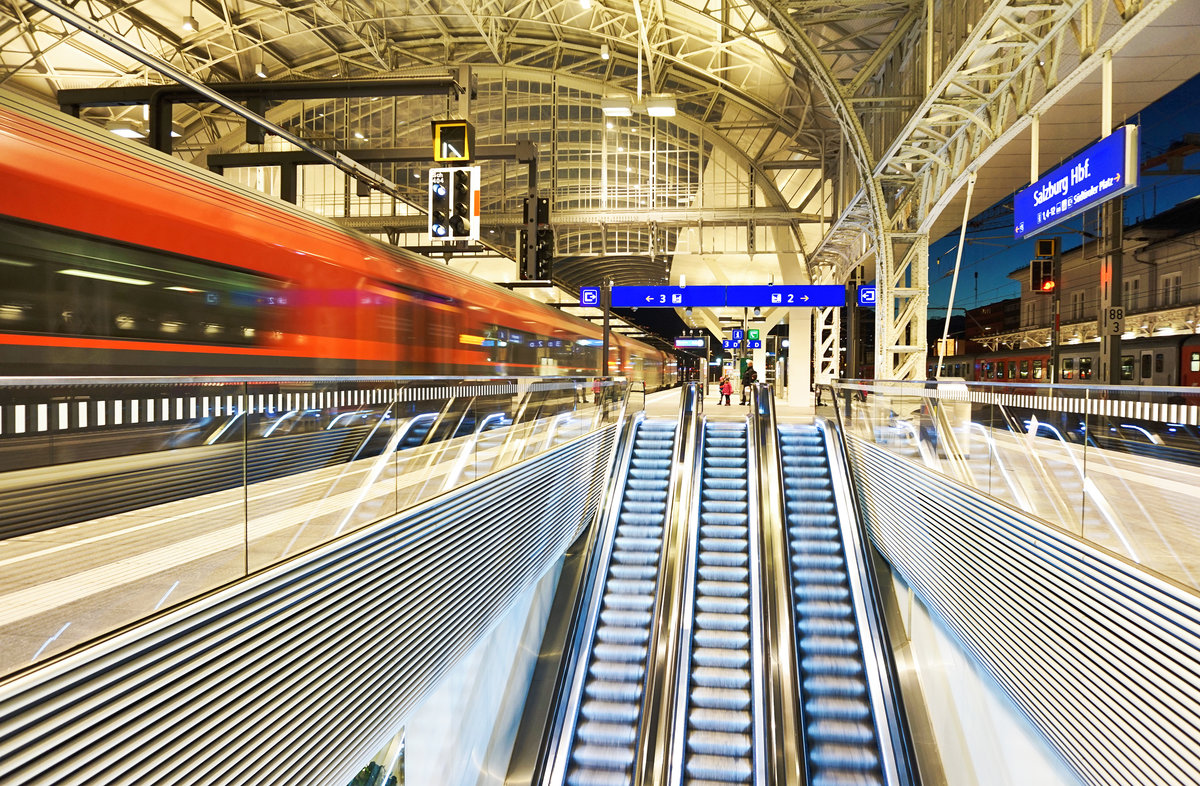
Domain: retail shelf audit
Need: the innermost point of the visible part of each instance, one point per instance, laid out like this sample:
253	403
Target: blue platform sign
1099	173
668	297
792	296
754	344
731	344
738	334
589	296
866	295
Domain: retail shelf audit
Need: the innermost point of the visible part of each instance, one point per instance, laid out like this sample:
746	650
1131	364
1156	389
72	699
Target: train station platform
548	581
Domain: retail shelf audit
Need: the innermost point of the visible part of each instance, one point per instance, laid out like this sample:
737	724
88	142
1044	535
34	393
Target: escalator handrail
786	762
578	651
898	754
755	524
655	739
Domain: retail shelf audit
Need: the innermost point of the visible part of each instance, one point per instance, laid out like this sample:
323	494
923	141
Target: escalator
605	736
718	700
841	742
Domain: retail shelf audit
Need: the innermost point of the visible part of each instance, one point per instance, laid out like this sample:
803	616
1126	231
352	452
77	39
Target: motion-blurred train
116	259
1160	361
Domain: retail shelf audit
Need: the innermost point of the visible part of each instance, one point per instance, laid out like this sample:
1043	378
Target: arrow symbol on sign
649	298
804	298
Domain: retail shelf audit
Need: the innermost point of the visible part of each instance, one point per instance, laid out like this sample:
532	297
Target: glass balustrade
124	497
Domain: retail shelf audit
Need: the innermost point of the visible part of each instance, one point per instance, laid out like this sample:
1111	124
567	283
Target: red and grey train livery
116	259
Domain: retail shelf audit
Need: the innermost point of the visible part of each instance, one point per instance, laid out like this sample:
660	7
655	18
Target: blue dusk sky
991	252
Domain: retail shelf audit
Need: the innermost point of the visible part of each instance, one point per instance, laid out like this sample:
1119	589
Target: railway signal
454	203
1041	268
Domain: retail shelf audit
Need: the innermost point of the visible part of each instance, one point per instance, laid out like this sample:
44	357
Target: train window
1000	369
58	282
1037	368
1085	368
1146	366
1068	368
1024	369
1194	363
988	371
1158	363
1127	367
1012	369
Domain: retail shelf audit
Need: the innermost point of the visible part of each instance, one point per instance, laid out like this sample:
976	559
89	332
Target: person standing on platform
726	390
749	377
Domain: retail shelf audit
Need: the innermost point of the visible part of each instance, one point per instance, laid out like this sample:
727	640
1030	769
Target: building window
1133	294
1171	286
1194	362
1076	306
1028	313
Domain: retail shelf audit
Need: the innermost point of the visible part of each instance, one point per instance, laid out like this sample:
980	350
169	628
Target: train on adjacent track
118	260
1159	361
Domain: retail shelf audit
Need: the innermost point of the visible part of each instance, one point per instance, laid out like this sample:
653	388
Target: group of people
749	377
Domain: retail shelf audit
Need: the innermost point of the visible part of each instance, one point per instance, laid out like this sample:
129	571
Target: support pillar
800	336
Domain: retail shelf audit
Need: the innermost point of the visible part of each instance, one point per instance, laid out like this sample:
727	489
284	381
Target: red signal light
1048	285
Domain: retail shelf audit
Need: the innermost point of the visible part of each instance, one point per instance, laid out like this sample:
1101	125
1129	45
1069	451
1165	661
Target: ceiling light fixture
125	128
604	53
660	106
260	70
190	25
616	106
137	282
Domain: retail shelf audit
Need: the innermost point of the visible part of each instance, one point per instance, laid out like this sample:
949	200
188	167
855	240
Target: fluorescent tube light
137	282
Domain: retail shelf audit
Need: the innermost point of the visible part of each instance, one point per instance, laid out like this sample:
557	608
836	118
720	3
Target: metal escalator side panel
605	730
841	741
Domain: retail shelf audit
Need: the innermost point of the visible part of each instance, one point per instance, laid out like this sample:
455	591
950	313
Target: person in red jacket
726	389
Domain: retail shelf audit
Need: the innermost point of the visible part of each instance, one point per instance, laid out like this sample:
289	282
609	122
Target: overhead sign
731	344
668	297
866	295
754	344
763	296
691	343
1099	173
785	295
738	334
589	296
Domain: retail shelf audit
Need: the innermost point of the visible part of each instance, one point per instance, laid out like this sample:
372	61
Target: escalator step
717	621
829	645
613	692
732	701
614	634
728	559
634	572
721	658
596	733
623	586
720	720
723	544
725	639
719	743
840	708
826	626
617	671
842	610
827	592
735	533
709	677
816	576
846	778
628	602
720	573
846	732
845	757
824	664
818	561
724	589
721	769
723	605
603	757
620	653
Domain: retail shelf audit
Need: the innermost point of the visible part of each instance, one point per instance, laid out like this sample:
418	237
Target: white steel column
829	344
901	303
799	367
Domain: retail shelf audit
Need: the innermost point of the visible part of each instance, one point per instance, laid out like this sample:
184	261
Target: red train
1160	361
116	259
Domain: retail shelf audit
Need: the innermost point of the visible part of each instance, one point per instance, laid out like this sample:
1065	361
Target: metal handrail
756	523
786	762
899	759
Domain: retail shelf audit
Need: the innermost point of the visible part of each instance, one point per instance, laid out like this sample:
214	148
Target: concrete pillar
800	334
